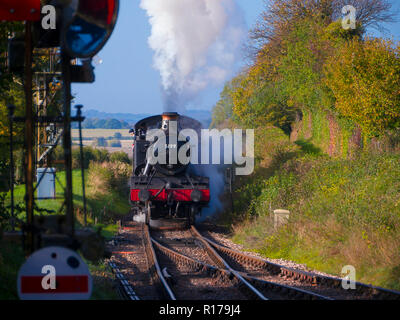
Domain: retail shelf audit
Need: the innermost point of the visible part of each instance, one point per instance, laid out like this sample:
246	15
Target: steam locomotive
169	190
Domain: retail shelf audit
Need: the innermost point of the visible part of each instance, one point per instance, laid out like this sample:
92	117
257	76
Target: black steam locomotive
171	190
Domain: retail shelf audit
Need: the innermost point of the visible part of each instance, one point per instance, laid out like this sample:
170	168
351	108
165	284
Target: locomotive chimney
168	116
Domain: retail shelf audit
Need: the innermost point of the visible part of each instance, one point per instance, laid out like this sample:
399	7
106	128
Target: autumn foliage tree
280	16
305	61
281	83
364	77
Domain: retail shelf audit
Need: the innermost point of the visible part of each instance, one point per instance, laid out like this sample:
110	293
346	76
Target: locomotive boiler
170	189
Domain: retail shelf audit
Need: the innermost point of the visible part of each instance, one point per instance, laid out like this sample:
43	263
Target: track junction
175	263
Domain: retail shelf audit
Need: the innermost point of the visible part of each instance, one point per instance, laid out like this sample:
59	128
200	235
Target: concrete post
281	217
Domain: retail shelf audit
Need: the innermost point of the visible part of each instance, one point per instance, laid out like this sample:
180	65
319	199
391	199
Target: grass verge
343	212
106	199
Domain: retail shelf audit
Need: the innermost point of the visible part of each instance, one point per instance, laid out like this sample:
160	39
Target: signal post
82	29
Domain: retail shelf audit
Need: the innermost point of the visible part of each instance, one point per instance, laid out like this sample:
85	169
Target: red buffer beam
177	194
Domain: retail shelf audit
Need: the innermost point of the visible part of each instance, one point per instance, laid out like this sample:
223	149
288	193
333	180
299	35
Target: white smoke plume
196	44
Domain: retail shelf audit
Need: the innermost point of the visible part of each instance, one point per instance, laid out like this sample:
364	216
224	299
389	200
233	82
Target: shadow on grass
11	259
308	148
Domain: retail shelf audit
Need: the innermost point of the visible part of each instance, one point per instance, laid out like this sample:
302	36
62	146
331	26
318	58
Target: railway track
324	285
181	246
201	278
184	264
135	265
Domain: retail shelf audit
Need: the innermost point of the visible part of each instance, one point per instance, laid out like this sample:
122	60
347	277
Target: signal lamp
196	195
144	195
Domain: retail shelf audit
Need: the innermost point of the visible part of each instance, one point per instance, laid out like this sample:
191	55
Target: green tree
11	92
223	110
100	142
115	144
113	124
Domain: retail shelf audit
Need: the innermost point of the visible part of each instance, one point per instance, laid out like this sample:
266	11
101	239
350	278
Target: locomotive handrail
158	193
190	180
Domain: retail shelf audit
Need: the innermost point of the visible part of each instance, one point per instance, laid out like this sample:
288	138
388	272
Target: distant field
96	133
126	145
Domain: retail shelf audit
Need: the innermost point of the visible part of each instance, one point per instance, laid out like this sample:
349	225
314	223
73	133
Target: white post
281	217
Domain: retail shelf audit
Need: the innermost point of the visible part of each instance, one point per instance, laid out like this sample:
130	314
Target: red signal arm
19	10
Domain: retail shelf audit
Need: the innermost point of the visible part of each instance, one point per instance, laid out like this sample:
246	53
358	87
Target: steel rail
199	265
153	264
125	290
282	287
222	263
304	276
192	262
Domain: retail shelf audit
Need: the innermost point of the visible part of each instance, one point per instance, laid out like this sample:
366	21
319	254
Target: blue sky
126	80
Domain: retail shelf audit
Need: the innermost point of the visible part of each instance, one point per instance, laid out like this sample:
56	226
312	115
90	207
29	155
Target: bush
101	155
89	154
268	141
120	156
107	176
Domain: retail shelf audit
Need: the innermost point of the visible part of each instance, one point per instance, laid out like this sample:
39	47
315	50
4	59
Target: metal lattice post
29	135
66	72
11	109
79	115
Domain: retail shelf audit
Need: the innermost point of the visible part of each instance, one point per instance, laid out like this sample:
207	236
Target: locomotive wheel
191	220
192	216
